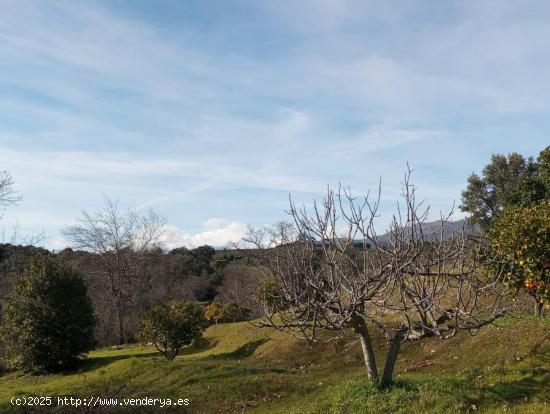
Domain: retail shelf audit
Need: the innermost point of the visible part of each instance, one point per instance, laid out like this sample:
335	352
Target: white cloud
59	243
215	232
346	90
377	69
379	137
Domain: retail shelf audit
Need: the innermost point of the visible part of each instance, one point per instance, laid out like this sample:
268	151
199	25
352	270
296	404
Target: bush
269	292
171	327
521	237
225	312
48	322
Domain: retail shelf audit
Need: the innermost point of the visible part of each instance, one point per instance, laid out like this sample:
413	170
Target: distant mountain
431	229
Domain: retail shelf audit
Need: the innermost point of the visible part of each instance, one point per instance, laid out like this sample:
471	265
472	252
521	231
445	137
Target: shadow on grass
242	352
100	361
401	384
516	390
203	344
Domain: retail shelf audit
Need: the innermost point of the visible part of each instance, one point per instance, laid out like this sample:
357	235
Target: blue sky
212	112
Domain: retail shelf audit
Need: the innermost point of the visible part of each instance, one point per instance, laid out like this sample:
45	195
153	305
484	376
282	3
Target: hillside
238	368
434	229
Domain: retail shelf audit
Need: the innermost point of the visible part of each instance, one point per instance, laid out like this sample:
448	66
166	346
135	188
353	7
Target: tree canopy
506	180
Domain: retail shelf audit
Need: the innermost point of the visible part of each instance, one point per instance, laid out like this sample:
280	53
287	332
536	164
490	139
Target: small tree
213	312
328	270
216	312
521	236
48	322
235	312
171	327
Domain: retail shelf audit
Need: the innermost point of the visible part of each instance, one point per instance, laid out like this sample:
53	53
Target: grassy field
238	368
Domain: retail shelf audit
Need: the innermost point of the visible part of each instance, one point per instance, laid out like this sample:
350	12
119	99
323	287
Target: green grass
237	368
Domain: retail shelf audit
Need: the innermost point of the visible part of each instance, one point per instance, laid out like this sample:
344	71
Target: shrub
171	327
48	322
270	293
213	312
235	312
225	312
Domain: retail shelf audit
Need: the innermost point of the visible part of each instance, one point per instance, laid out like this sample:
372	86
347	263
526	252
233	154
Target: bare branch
329	270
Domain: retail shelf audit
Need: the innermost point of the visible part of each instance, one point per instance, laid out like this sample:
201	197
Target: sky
214	112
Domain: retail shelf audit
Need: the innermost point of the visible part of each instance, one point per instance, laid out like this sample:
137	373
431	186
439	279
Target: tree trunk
391	357
361	329
538	307
117	304
120	324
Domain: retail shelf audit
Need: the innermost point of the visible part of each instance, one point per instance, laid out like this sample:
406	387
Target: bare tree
7	194
120	239
330	270
239	286
14	237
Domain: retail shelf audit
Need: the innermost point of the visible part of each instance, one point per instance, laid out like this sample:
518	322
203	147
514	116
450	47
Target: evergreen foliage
48	322
173	326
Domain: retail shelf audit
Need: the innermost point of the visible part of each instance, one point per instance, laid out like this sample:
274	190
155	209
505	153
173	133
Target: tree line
325	268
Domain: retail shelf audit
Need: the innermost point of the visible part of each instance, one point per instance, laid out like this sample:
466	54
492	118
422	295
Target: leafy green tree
173	326
202	256
196	261
48	322
506	180
521	236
